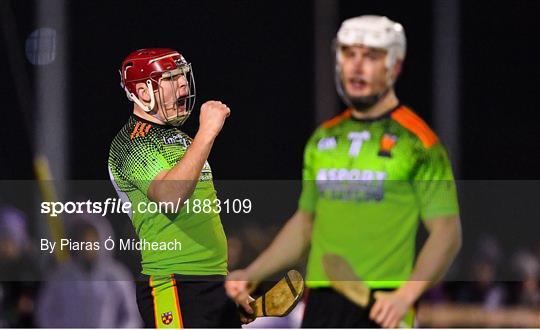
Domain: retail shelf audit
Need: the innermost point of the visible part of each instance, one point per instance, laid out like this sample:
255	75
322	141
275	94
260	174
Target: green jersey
138	153
368	182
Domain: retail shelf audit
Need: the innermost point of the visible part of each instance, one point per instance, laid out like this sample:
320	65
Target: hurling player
151	159
371	176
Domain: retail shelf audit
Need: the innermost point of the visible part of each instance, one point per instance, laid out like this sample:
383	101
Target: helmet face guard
176	110
160	69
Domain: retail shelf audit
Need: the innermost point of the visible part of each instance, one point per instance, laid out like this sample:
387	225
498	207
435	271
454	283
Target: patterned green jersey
368	182
138	153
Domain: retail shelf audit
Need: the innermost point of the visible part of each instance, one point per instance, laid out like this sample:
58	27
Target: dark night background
257	56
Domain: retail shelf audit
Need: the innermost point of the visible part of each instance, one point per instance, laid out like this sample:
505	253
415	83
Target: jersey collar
137	118
385	115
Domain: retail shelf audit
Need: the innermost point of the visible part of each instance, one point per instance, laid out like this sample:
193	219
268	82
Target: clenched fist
212	117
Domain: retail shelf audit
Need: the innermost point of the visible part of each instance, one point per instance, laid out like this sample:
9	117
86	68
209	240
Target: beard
360	103
365	102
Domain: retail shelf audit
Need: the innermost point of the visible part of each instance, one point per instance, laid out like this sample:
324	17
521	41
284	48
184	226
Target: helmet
370	31
374	31
150	66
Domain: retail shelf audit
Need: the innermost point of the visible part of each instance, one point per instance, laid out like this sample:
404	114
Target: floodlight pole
326	14
52	81
446	75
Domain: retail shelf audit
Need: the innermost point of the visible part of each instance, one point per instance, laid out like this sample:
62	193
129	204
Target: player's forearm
286	249
435	258
180	181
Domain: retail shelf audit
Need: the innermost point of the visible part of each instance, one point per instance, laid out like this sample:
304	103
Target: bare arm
435	257
179	182
286	249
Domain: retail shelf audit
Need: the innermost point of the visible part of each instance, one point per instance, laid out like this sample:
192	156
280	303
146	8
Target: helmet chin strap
366	102
177	121
149	107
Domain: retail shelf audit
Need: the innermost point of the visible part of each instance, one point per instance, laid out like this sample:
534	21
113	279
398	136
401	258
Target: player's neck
387	103
145	115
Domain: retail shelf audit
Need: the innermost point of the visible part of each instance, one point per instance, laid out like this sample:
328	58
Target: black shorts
325	308
183	301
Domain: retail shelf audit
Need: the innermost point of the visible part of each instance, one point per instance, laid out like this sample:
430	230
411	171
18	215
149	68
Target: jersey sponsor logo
351	184
388	141
140	130
327	143
167	318
177	138
357	139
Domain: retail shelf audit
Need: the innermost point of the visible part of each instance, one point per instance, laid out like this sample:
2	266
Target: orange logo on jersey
388	142
141	129
167	318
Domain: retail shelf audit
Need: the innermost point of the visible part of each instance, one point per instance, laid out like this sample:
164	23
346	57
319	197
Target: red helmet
149	66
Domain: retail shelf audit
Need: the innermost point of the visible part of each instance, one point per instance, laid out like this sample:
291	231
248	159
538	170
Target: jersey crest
167	318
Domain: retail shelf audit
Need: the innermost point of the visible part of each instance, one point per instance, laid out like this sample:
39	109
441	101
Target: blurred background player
101	286
151	159
369	175
19	270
